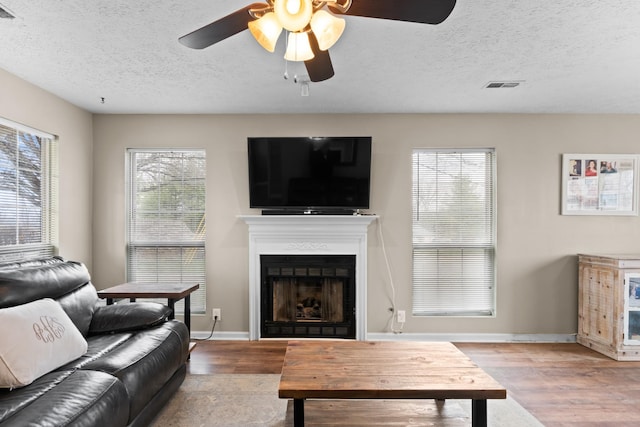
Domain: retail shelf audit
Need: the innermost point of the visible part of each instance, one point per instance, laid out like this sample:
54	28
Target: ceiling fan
312	30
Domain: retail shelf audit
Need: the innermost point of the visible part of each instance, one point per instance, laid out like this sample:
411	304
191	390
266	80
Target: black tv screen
309	173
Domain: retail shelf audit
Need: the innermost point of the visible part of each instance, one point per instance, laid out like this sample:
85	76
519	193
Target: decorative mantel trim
308	246
307	235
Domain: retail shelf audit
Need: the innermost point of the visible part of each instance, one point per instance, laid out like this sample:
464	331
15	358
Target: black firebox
308	296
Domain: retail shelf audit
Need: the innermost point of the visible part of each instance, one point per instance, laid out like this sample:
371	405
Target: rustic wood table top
148	290
383	370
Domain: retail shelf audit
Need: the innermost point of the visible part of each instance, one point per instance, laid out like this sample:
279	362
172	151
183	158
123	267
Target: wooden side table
171	291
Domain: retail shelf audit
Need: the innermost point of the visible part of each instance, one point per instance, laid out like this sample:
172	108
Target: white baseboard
220	336
462	337
389	336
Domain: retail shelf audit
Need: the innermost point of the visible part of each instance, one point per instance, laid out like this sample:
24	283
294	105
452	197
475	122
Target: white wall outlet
216	314
401	316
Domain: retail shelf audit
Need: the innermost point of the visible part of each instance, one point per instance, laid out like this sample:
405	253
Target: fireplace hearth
308	296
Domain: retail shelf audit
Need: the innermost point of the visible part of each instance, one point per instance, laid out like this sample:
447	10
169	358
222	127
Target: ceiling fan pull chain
286	63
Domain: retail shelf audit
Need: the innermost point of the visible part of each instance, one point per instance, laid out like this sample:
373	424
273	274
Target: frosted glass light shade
327	28
298	48
266	31
294	15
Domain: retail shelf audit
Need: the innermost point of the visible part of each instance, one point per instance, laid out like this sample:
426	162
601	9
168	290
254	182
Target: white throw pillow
36	338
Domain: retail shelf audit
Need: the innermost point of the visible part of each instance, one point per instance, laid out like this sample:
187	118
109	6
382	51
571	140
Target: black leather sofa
135	358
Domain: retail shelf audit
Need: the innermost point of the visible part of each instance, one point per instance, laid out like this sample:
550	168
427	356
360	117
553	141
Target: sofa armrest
128	317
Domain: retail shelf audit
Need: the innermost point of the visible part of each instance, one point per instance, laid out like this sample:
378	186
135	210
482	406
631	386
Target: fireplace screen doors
308	296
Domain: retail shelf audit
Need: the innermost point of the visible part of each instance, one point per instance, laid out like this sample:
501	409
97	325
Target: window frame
197	298
444	254
49	211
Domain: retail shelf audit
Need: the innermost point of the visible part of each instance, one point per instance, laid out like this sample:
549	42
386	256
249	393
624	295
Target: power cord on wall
215	320
392	322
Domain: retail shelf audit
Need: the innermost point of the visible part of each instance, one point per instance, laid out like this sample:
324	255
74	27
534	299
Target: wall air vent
5	13
500	85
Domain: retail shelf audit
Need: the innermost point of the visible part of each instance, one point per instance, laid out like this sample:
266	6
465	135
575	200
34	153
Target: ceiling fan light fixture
307	44
294	15
327	28
266	31
298	47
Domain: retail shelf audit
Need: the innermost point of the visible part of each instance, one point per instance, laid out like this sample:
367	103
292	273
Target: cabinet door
598	303
632	309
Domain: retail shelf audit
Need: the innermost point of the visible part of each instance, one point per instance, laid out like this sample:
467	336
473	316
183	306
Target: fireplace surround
315	235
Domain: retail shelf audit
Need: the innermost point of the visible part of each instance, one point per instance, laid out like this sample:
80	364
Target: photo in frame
599	184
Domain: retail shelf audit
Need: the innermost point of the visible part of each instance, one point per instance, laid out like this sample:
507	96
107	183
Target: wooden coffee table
326	369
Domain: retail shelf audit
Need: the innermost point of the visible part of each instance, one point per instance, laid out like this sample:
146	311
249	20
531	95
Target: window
28	192
454	233
166	219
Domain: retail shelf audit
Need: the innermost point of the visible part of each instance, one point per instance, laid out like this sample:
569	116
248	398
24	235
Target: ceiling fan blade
320	67
421	11
221	29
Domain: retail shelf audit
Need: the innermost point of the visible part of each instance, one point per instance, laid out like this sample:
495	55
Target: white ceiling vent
503	85
5	13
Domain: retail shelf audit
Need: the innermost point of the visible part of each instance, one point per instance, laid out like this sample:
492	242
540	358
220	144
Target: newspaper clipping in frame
599	184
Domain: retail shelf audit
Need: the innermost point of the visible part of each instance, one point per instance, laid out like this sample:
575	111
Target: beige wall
29	105
537	247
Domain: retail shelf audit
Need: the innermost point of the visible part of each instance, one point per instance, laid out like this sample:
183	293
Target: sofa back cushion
31	262
68	282
80	305
36	338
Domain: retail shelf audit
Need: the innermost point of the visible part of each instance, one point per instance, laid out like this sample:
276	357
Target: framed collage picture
600	184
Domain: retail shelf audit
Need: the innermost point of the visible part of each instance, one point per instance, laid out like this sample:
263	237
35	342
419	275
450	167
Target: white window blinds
166	220
28	192
454	232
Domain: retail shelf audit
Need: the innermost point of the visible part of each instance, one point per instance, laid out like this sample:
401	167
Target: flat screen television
309	175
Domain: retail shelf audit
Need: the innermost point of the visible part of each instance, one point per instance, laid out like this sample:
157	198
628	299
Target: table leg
132	300
109	301
479	413
298	412
187	312
172	305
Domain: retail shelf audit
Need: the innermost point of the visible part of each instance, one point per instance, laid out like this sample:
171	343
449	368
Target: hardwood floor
560	384
237	357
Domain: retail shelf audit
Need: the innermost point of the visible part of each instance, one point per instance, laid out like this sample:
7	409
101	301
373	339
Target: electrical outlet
216	314
401	316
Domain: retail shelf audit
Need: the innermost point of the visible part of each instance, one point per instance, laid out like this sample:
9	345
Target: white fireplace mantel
308	235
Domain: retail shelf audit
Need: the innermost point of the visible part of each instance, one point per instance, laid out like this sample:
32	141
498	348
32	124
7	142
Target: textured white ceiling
572	56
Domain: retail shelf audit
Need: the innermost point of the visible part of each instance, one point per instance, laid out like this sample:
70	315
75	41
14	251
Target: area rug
242	400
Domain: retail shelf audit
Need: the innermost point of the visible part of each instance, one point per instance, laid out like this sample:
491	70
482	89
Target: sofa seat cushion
67	398
36	338
98	346
145	361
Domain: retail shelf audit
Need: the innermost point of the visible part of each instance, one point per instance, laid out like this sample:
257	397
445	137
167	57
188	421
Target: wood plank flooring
560	384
